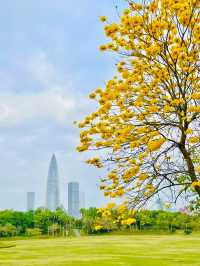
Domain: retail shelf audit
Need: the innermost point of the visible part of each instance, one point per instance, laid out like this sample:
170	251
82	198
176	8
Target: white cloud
53	101
18	109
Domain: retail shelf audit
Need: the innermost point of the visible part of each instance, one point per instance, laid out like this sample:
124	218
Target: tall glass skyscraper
73	199
52	196
30	201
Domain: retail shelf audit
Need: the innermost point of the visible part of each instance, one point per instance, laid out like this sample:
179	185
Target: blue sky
49	63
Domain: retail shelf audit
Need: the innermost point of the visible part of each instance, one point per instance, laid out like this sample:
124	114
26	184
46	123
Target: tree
20	220
89	218
42	219
54	229
7	230
50	222
147	121
115	217
65	221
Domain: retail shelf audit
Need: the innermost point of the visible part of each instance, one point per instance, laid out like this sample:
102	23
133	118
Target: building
52	193
30	201
159	204
73	199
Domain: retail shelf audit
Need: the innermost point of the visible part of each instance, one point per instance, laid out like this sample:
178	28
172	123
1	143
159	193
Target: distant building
52	194
30	201
82	200
159	204
73	199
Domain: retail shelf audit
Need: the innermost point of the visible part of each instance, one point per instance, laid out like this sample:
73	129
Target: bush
188	230
33	232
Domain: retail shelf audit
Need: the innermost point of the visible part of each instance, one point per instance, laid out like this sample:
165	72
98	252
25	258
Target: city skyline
43	89
75	197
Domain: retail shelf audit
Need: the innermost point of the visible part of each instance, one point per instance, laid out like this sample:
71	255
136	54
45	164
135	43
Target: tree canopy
147	120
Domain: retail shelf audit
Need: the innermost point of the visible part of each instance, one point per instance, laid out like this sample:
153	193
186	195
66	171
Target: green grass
134	250
7	245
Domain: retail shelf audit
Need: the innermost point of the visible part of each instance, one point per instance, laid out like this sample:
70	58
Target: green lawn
134	250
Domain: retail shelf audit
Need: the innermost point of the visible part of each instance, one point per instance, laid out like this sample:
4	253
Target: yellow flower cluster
196	184
95	161
154	145
193	139
152	106
98	227
116	214
128	221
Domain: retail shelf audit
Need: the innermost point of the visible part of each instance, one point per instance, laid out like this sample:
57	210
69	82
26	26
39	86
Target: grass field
134	250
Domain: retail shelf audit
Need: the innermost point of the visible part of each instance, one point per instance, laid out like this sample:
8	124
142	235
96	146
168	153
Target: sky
49	63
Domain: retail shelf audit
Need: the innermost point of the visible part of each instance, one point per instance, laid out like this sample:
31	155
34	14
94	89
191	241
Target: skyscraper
73	199
52	196
159	204
30	201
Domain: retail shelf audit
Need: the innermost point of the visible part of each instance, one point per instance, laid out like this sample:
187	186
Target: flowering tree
148	118
114	217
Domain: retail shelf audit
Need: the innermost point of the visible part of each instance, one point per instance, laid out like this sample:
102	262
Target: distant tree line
60	223
34	223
